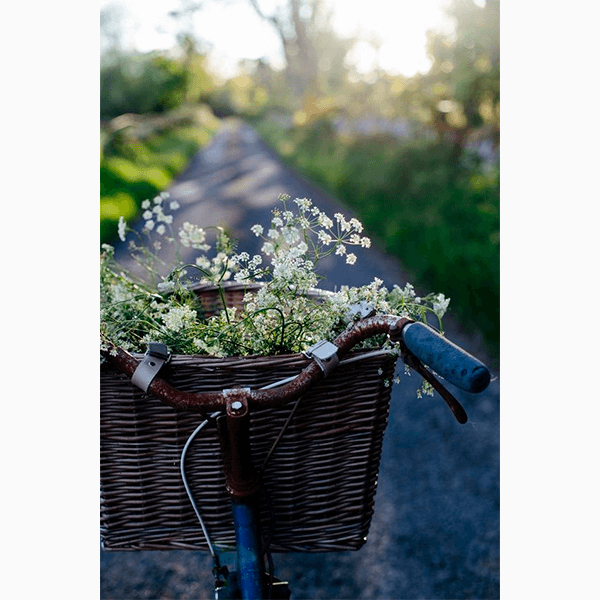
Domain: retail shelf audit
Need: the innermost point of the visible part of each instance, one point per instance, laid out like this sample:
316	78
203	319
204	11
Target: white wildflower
149	225
290	235
324	221
174	205
203	262
241	257
146	204
273	234
158	200
122	228
242	276
194	236
255	262
161	229
257	230
147	215
356	224
440	305
303	203
165	286
343	224
351	258
324	237
268	248
176	318
340	250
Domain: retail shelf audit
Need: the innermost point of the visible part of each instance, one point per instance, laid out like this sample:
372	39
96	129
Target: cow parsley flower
324	221
279	317
356	225
122	228
324	237
194	236
440	305
303	203
268	249
177	317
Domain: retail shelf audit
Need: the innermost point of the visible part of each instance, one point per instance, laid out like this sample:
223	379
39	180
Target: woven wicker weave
319	483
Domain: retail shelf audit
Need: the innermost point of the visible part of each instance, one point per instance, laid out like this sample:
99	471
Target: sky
234	31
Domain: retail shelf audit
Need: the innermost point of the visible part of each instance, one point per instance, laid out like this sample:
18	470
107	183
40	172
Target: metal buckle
154	359
324	353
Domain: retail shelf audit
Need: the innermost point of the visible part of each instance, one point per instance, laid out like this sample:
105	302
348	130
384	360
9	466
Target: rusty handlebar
417	341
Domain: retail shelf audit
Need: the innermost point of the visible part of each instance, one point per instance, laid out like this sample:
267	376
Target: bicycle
230	409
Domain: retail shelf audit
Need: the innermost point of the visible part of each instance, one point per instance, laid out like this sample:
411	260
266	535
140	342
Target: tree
461	92
314	54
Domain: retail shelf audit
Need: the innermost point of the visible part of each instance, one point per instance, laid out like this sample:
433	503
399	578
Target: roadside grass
140	156
442	221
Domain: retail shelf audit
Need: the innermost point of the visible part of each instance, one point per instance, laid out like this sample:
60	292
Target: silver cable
187	487
343	362
297	403
216	414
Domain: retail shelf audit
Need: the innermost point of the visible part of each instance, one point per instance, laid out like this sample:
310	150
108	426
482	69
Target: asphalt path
435	531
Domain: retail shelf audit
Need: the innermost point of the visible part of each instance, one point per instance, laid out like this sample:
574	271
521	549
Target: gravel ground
435	532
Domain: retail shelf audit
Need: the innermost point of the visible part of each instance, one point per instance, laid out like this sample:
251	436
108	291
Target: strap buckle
324	353
156	356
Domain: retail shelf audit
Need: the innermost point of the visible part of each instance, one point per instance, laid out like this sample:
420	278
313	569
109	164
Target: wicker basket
319	484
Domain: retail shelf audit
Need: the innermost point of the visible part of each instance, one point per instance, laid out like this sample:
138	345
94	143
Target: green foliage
151	83
136	84
438	216
141	159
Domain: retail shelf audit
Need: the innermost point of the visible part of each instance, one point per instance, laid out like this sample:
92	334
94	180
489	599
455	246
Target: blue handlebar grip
448	360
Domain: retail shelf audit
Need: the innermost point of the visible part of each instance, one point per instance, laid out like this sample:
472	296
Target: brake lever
414	363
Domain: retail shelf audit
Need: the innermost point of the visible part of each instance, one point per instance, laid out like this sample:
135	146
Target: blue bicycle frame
249	582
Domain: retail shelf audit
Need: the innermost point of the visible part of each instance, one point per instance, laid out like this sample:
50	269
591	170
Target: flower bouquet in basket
278	306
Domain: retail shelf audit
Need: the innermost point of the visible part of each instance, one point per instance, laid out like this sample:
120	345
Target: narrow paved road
435	533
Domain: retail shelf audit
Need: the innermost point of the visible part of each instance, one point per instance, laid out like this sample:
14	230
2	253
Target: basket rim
287	357
235	286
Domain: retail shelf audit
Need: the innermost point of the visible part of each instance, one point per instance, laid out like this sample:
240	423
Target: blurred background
394	109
